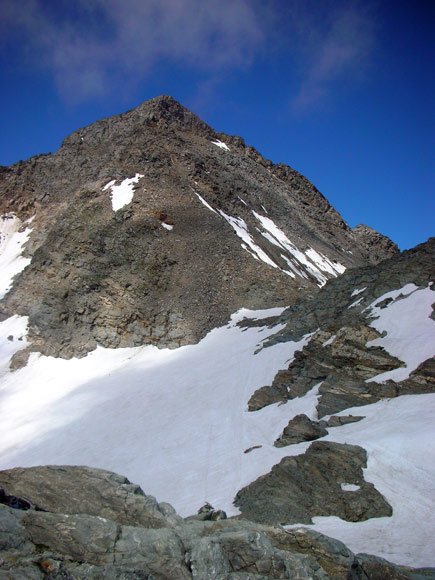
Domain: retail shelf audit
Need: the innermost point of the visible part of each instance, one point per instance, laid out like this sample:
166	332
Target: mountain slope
177	421
151	228
297	346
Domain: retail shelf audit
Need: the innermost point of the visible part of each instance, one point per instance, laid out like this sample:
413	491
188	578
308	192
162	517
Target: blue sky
341	90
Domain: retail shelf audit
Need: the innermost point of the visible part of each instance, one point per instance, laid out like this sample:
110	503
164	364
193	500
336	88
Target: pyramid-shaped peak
163	103
166	110
163	112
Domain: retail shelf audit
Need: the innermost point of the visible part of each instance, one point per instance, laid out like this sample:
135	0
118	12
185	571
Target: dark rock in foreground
145	540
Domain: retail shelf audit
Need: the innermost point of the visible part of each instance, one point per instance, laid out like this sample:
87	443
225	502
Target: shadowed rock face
82	543
124	278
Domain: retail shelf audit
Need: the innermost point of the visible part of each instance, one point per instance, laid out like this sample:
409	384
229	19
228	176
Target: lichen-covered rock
83	538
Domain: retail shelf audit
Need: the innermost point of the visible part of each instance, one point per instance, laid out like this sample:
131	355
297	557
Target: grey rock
338	421
89	572
83	490
307	485
240	554
22	573
159	552
208	513
332	555
299	429
57	546
83	538
375	568
13	534
377	245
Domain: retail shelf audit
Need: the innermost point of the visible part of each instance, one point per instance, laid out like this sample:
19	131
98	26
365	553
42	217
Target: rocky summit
179	312
151	228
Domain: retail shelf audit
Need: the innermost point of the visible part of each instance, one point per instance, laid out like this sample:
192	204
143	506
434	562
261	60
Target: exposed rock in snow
308	485
299	429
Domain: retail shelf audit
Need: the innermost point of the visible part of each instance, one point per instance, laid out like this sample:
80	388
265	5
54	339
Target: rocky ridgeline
338	360
77	523
337	354
168	266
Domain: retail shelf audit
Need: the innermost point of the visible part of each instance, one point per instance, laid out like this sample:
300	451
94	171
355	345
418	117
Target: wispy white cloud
91	46
86	43
337	46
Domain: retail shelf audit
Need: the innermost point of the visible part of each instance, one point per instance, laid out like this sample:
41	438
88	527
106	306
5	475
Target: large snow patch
174	421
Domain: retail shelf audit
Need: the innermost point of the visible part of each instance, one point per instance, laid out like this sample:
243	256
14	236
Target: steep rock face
207	226
81	543
378	247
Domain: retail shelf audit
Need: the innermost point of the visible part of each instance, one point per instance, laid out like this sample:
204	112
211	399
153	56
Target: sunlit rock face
151	228
50	535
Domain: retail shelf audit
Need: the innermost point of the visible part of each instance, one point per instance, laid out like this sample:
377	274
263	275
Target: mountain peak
164	110
205	216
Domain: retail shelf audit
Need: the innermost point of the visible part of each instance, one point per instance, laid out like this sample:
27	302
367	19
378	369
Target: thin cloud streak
95	47
137	35
342	47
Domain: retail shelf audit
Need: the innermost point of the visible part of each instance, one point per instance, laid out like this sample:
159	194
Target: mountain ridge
189	181
180	310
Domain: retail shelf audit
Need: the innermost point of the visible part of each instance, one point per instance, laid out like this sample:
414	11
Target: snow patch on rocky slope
123	193
404	316
12	240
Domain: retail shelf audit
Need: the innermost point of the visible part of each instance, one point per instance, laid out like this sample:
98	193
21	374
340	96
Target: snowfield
409	330
399	437
176	422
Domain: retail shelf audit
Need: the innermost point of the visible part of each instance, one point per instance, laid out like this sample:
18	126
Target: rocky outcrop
168	266
377	245
299	429
58	489
80	545
337	357
314	484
